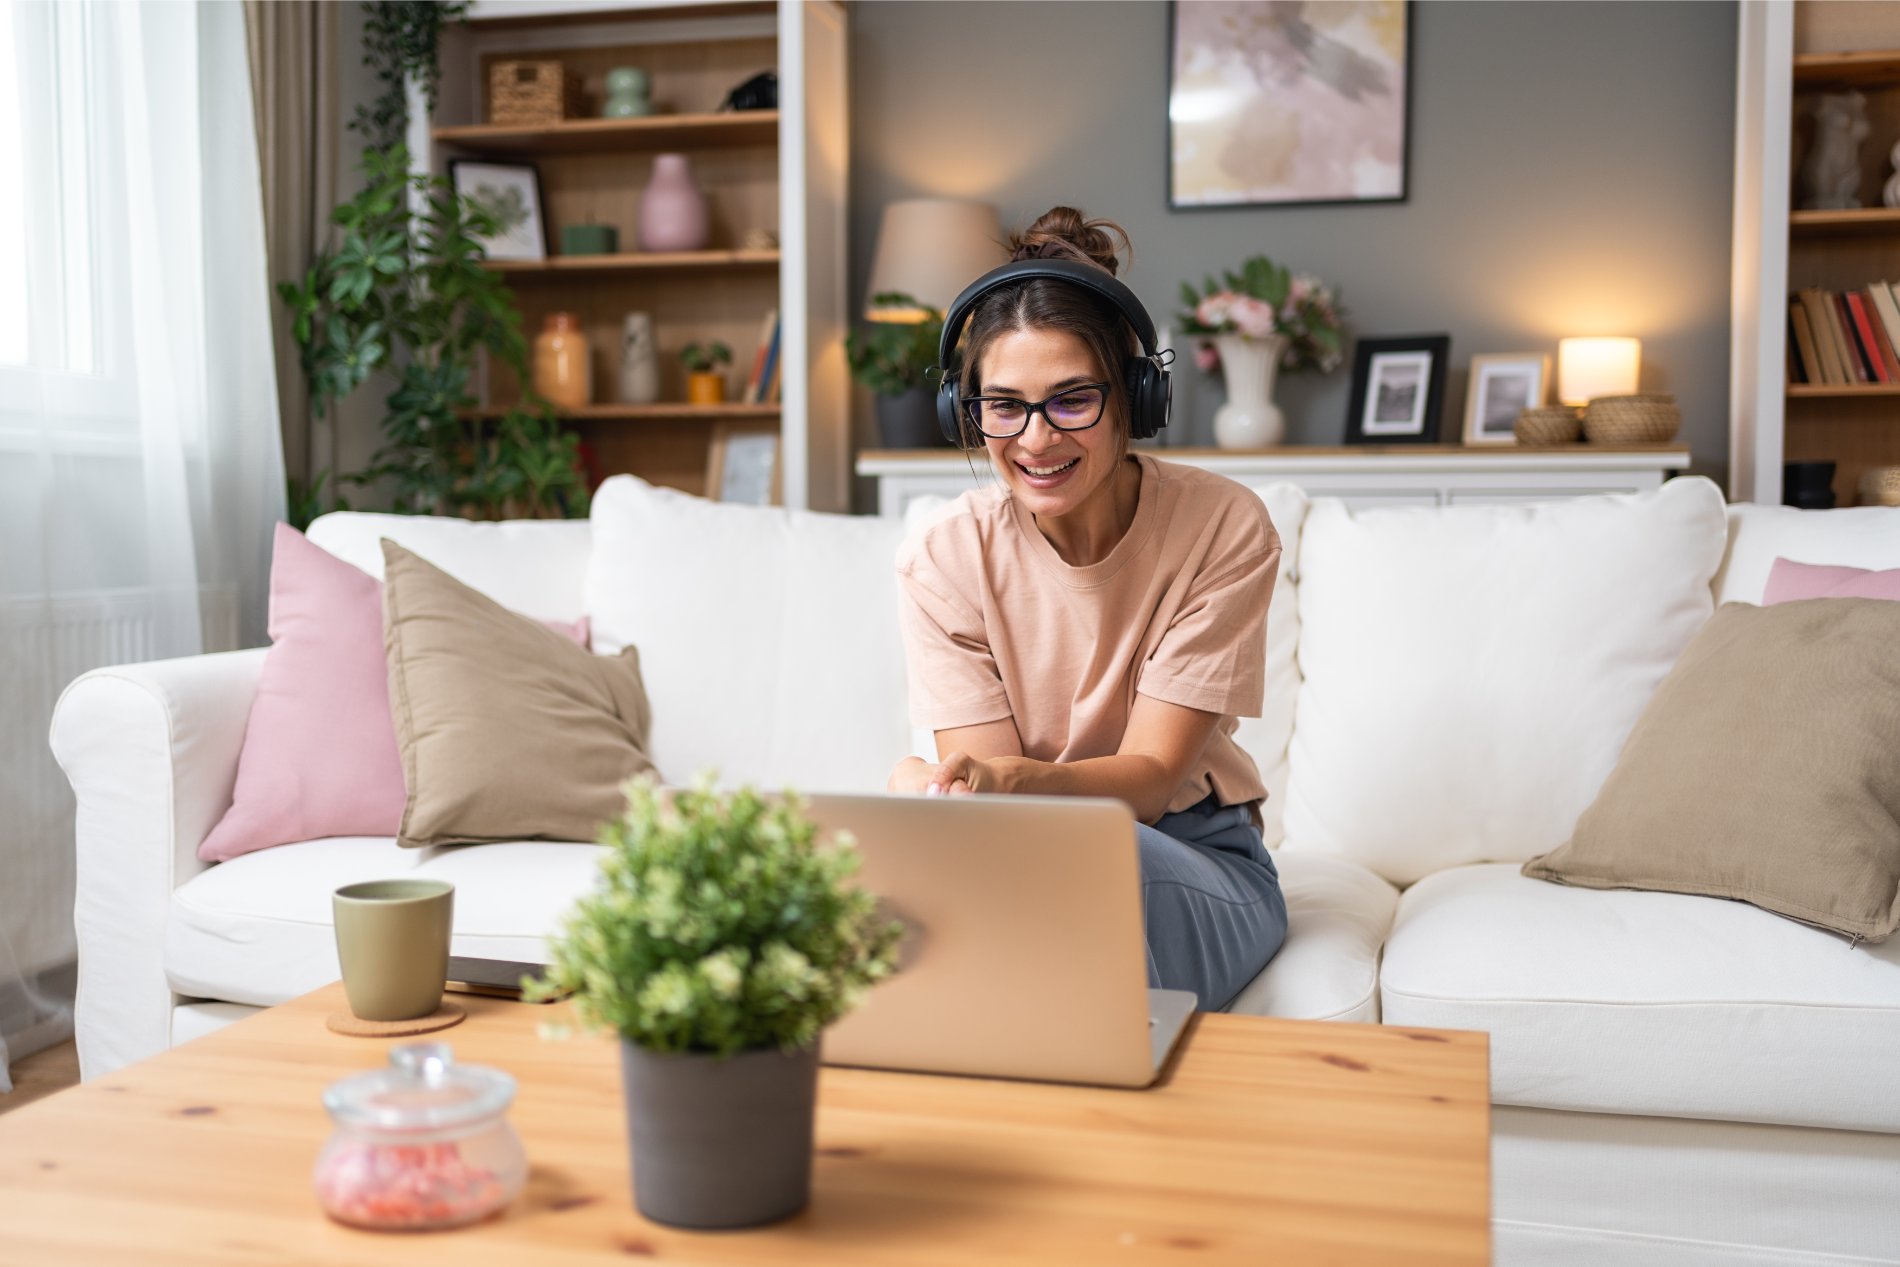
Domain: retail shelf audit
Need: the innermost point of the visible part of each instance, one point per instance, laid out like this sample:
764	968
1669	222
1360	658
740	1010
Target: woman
1094	625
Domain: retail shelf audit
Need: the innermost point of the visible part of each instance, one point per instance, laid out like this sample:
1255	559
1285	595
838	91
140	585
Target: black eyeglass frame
973	408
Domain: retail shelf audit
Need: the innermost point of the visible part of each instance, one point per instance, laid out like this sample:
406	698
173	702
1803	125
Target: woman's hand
960	774
927	778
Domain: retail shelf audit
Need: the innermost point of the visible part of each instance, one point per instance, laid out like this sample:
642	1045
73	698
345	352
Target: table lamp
930	249
1588	368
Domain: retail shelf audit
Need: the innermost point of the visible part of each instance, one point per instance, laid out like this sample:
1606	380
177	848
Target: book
755	382
1831	368
1888	311
1869	345
1844	321
1883	338
768	382
1804	343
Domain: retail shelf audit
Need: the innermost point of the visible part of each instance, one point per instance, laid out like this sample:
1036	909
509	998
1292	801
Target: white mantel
1395	475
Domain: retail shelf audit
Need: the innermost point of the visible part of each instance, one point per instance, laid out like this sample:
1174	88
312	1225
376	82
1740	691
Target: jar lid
561	321
422	1090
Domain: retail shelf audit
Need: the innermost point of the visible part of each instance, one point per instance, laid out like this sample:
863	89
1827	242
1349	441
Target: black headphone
1146	376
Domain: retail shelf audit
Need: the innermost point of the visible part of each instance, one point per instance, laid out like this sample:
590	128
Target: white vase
639	361
1249	419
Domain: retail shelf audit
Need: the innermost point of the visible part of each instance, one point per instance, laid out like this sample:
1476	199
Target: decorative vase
639	361
706	387
909	421
562	372
627	88
672	209
1249	419
720	1143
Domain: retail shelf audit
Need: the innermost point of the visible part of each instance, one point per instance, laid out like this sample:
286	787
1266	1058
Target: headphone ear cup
1148	395
950	413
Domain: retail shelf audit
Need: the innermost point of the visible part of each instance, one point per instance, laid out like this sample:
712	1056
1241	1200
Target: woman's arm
989	739
1159	749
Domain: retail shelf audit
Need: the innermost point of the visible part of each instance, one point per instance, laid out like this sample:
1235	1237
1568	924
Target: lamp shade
930	249
1588	368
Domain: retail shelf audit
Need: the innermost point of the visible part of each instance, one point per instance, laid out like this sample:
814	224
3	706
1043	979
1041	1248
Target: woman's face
1052	472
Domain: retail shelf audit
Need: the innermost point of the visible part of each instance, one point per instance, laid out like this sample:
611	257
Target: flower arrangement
1261	300
719	927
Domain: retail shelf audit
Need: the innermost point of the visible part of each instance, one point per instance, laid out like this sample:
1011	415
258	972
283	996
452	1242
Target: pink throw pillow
319	755
1789	582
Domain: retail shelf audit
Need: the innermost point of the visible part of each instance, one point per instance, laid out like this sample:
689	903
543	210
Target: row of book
762	387
1844	337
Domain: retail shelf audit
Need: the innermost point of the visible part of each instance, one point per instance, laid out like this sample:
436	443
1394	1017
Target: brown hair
1040	303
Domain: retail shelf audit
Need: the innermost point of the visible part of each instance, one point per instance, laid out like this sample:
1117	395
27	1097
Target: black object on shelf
1808	485
757	93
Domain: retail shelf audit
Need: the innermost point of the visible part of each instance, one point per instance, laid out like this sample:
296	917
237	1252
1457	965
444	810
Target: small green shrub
700	359
891	357
719	926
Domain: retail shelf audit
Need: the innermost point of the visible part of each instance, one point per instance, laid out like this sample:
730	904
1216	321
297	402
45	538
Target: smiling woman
1094	625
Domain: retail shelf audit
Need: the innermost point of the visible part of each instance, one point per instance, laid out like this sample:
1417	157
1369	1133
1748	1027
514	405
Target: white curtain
140	459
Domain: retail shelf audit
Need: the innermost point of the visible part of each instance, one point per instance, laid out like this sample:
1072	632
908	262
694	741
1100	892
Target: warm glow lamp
1588	368
930	249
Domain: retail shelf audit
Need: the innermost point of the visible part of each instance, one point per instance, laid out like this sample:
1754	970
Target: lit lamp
928	249
1588	368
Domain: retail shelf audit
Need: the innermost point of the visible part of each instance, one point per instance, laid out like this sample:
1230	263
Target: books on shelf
1842	338
755	381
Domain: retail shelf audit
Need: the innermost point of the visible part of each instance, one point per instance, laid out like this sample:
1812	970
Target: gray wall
1570	173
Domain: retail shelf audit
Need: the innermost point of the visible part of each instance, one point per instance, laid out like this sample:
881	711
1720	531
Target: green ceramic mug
392	939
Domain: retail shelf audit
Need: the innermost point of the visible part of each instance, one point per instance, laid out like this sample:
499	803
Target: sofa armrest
151	751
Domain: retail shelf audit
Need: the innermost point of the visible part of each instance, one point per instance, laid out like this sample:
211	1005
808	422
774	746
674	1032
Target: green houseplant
705	385
893	359
719	943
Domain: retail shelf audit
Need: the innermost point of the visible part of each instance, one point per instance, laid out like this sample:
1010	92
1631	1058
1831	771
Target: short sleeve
1213	655
952	674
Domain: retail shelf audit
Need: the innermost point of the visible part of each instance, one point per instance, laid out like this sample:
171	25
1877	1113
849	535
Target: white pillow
1266	737
768	638
1858	537
1469	674
533	566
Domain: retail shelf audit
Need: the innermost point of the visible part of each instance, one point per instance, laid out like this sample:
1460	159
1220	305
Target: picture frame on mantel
1293	104
1502	385
1398	389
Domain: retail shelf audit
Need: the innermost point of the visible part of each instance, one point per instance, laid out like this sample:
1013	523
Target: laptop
1024	955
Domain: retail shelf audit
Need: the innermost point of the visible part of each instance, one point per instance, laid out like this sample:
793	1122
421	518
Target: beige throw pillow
507	730
1766	768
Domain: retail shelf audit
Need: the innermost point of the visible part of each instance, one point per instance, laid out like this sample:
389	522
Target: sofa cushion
532	566
1791	582
1469	674
768	638
1337	914
1652	1003
257	929
1861	536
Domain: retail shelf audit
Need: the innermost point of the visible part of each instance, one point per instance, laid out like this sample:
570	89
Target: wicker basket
1645	419
538	91
1880	486
1542	425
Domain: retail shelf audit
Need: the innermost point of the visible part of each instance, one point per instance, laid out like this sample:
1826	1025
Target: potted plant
892	359
719	943
705	385
1251	325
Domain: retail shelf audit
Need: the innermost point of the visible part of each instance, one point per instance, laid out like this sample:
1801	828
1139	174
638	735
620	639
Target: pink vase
672	210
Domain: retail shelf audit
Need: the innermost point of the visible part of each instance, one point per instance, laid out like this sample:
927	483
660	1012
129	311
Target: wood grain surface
1267	1141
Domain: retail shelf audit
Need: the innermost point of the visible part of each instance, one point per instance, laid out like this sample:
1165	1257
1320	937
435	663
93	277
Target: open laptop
1024	954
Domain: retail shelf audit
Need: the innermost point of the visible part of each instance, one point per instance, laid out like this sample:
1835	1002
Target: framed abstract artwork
1302	101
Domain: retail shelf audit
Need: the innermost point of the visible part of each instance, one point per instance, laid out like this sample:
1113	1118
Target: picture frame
1501	385
1398	389
1302	104
513	192
743	465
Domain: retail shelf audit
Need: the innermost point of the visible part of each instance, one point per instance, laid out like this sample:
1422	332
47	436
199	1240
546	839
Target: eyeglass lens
1073	410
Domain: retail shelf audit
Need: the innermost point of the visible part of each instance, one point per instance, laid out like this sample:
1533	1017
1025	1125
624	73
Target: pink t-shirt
996	625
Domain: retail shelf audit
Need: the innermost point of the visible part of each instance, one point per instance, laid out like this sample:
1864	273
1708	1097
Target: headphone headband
1084	275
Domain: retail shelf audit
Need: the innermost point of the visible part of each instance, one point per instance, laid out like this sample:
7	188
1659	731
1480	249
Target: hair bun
1063	233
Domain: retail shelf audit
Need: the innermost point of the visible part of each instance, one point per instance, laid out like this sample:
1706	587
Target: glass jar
562	371
422	1144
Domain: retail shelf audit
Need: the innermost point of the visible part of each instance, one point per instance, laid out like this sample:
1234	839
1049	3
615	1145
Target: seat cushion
257	929
1337	914
1653	1003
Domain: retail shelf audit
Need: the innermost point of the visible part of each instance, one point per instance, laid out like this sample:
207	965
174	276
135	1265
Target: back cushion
1266	737
1862	537
1470	673
533	566
768	638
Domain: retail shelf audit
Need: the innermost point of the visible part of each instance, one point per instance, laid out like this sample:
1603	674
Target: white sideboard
1416	475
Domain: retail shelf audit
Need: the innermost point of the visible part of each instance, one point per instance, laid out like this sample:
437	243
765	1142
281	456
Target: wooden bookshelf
1882	220
1870	68
668	412
643	261
603	136
1841	391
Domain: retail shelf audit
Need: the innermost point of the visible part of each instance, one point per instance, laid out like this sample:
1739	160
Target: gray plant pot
720	1143
909	421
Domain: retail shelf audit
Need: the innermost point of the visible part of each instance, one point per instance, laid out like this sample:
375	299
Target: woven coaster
347	1023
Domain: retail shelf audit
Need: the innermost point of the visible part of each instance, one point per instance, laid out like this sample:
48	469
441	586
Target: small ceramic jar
422	1144
562	371
627	88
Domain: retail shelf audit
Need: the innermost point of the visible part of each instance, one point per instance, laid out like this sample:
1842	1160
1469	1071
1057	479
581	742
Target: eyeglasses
1071	409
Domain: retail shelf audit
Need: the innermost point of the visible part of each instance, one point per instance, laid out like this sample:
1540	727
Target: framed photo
1501	385
1281	104
512	191
743	466
1398	388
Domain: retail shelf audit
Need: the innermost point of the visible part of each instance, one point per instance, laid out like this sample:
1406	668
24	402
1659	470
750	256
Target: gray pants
1212	902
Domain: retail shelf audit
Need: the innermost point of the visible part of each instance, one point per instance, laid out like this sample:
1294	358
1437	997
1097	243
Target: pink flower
1214	310
1207	358
1255	317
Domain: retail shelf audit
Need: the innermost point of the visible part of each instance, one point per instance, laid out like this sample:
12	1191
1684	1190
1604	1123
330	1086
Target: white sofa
1676	1080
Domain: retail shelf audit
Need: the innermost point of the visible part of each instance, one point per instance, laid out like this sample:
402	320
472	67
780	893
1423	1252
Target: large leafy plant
891	357
719	925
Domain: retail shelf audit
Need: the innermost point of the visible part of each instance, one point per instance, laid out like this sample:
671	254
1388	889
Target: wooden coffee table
1267	1141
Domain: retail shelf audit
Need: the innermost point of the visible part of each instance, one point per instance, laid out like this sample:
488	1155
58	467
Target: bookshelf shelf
1846	70
1829	223
666	412
1838	391
634	262
595	136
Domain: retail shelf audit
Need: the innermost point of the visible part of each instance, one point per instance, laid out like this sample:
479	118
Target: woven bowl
1645	419
1880	486
1547	424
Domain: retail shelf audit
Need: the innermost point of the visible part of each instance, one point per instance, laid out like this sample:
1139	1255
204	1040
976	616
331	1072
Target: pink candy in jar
422	1144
